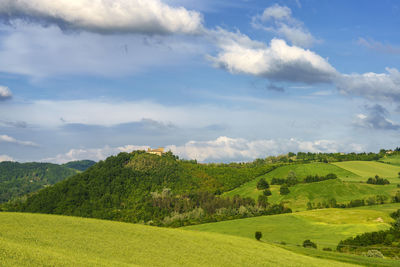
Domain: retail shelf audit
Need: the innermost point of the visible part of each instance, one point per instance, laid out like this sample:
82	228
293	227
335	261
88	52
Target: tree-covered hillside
164	190
18	179
80	165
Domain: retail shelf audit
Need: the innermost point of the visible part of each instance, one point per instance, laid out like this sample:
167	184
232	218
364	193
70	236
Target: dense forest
18	179
80	165
161	190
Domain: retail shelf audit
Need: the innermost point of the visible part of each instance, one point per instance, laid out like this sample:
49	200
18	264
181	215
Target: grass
366	169
325	227
50	240
395	159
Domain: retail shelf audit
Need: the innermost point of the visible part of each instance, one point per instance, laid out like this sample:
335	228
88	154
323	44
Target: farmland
48	240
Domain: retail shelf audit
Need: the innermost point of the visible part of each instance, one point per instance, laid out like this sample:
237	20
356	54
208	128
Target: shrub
258	235
262	184
267	192
309	244
373	253
327	249
284	190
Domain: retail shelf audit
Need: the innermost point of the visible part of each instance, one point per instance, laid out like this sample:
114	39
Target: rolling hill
18	179
49	240
366	169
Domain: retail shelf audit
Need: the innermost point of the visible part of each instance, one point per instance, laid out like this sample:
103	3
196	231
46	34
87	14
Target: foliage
373	253
262	184
309	244
160	190
80	165
284	190
267	192
18	179
258	235
377	180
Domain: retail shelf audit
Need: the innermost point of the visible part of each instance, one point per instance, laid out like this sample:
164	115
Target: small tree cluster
309	244
377	180
262	184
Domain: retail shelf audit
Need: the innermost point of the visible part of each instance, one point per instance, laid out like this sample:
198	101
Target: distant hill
18	179
162	190
80	165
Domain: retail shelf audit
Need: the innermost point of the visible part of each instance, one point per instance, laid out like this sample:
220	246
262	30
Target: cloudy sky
213	80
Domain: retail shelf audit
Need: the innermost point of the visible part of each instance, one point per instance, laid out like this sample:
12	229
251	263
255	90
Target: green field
366	169
50	240
395	159
326	227
249	189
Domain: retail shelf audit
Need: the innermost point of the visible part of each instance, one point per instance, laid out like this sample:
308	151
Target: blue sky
217	81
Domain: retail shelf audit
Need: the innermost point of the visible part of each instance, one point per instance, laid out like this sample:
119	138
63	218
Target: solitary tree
284	190
262	184
258	235
267	192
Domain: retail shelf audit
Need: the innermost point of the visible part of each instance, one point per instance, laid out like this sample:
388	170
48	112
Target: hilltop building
159	151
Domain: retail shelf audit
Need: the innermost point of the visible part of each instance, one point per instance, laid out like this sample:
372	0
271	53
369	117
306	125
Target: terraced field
366	169
50	240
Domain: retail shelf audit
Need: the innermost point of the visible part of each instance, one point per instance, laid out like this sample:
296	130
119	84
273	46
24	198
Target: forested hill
137	187
18	179
80	165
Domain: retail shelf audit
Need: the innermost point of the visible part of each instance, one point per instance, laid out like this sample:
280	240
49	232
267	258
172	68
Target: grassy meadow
366	169
51	240
394	159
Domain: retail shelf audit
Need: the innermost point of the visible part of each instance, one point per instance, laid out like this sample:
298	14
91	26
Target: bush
309	244
373	253
267	192
327	249
258	235
284	190
262	184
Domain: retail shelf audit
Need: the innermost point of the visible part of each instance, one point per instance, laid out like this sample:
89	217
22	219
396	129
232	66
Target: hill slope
48	240
137	186
80	165
366	169
18	179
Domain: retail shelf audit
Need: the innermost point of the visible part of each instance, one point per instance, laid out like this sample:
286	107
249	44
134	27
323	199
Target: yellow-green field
326	227
50	240
395	159
366	169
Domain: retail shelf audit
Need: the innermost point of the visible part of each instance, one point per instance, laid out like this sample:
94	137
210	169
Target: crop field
395	160
51	240
326	227
366	169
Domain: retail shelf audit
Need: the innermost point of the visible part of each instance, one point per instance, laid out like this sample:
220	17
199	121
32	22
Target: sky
212	80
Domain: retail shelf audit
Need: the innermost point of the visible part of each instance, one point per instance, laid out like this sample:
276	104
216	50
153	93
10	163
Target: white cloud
379	46
95	154
278	61
9	139
376	119
40	52
225	149
219	150
373	86
107	16
6	158
278	19
5	93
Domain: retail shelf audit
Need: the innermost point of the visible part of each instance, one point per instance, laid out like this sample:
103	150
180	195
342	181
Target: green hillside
326	227
367	169
159	190
80	165
18	179
49	240
391	159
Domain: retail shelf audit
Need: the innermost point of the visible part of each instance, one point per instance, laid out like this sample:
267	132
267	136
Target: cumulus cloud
278	19
373	86
375	118
6	158
379	46
8	139
224	148
278	61
5	93
95	154
106	16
